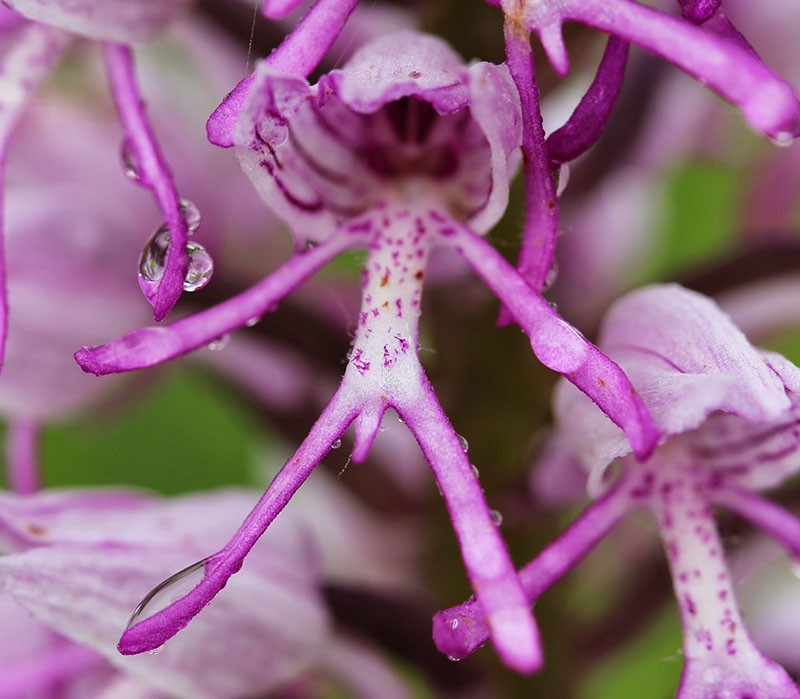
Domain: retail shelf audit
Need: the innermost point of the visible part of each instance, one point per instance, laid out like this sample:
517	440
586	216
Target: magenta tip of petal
458	633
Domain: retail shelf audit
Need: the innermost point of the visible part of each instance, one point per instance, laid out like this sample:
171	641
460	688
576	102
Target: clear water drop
219	343
310	245
497	518
463	442
191	214
454	658
783	139
130	162
155	651
563	179
153	259
336	443
201	267
253	321
551	276
475	471
166	592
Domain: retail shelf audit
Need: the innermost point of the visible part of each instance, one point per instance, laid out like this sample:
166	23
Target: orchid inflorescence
405	153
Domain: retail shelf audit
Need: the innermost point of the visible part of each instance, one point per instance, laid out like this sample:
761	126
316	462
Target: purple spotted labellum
403	150
732	416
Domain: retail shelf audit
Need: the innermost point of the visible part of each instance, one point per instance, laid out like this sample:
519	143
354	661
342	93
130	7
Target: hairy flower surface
401	151
731	416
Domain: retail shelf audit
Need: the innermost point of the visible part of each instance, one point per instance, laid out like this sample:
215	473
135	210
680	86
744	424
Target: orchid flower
730	415
270	626
402	150
170	263
717	56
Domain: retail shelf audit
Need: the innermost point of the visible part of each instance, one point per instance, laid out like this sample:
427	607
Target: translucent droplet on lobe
153	259
219	343
191	214
253	321
475	471
336	443
201	267
550	278
166	592
497	518
563	179
463	442
130	162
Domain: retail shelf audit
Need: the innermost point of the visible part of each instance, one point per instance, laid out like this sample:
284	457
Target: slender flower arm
150	169
699	11
27	63
780	524
298	55
461	630
587	122
499	595
541	211
557	344
148	630
148	346
767	102
278	9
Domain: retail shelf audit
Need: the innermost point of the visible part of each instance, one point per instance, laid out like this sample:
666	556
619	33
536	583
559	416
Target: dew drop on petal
454	658
191	214
155	651
463	442
550	277
497	518
153	259
166	592
475	471
253	321
201	267
336	443
219	343
783	139
130	162
563	179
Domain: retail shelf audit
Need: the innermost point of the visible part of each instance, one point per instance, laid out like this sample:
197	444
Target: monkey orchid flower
402	150
731	416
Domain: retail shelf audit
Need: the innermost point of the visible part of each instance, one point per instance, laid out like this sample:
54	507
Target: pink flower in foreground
270	626
731	414
401	151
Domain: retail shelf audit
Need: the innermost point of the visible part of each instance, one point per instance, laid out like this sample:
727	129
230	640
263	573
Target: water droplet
253	321
166	592
463	442
219	343
497	518
154	255
155	651
454	658
309	245
130	162
475	471
201	267
191	214
562	179
551	276
783	139
336	443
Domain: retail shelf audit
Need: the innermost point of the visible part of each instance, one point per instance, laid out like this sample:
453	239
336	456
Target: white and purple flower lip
730	418
401	151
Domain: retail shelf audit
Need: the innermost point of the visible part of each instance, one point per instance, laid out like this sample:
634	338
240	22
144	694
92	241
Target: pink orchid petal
124	21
